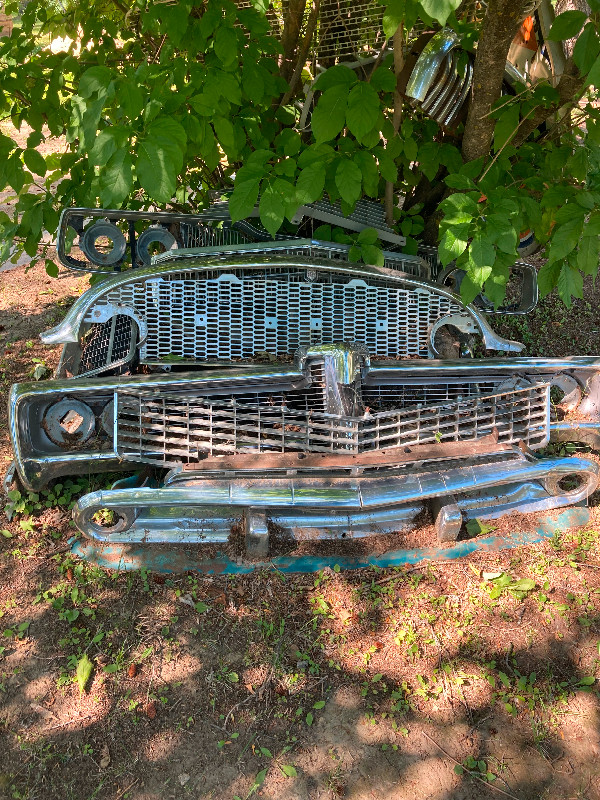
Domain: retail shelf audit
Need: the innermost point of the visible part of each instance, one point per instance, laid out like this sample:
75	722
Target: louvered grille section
202	316
384	397
168	430
108	345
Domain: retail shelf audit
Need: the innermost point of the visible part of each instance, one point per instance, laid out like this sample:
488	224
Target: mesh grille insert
198	315
108	345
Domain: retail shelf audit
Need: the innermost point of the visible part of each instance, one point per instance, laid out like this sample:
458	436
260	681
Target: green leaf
130	98
458	769
459	208
110	668
587	48
329	115
272	208
371	254
258	782
6	534
363	109
548	278
440	10
592	226
523	585
266	752
160	158
310	183
337	76
504	678
453	242
51	268
482	254
309	719
245	193
116	180
83	672
370	173
565	239
570	284
459	181
106	143
368	236
472	169
506	126
567	25
348	179
289	771
35	162
94	80
392	17
319	704
383	80
200	607
226	45
589	680
588	254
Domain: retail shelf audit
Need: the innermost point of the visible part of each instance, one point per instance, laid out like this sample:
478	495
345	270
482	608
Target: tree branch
569	87
303	52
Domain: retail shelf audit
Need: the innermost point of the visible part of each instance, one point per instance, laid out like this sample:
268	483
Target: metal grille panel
167	430
197	316
108	345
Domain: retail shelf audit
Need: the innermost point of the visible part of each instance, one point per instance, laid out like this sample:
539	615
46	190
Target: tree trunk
498	30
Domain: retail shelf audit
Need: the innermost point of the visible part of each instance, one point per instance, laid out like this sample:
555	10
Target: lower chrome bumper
192	508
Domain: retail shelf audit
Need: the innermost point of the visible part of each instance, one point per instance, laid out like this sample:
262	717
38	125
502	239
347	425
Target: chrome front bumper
193	508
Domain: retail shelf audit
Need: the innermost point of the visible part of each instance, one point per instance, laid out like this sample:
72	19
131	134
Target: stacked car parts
276	388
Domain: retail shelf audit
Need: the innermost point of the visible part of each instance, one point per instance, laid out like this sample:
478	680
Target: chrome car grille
169	429
198	315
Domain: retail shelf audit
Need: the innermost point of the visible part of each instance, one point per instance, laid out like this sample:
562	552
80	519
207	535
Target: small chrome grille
200	315
170	429
108	345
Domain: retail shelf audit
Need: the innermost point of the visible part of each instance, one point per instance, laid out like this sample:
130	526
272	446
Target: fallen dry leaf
70	574
220	599
132	671
150	710
160	579
104	757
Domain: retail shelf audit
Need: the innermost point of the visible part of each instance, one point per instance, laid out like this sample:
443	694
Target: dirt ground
417	683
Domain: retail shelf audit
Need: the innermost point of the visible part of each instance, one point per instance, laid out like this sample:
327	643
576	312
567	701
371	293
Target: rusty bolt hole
71	422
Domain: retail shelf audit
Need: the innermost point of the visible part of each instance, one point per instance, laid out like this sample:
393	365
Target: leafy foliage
164	104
